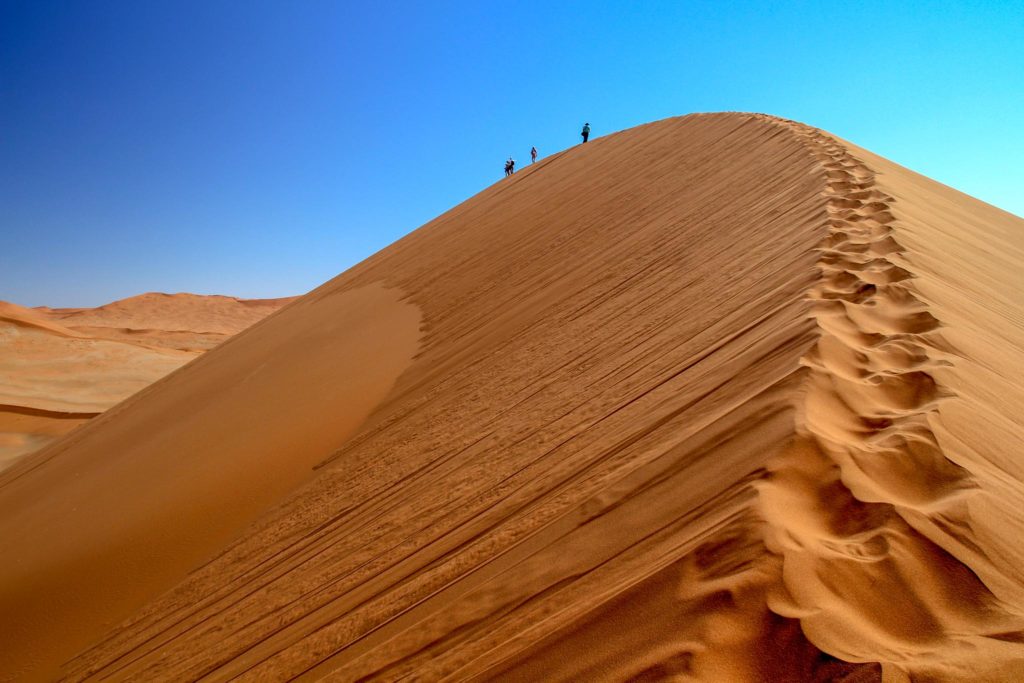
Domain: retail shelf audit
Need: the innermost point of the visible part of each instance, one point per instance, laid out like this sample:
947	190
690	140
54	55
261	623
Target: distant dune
60	367
717	398
189	322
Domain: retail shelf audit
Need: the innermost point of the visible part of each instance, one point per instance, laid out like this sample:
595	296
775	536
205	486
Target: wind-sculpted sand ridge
883	560
695	401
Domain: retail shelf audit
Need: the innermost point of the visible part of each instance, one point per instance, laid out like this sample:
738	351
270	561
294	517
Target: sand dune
60	367
189	322
716	398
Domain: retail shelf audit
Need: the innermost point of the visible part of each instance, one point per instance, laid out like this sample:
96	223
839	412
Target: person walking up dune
585	132
510	166
533	155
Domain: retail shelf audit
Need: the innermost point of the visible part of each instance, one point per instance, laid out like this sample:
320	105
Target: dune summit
721	397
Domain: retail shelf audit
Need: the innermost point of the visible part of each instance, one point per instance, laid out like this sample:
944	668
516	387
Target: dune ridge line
865	454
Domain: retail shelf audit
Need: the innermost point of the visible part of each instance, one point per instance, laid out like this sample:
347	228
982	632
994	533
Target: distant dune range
61	366
718	398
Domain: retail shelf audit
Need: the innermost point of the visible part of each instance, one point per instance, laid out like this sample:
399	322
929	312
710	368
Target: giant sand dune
718	398
62	366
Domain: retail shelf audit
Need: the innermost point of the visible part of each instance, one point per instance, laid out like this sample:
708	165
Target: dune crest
186	322
884	560
28	317
708	399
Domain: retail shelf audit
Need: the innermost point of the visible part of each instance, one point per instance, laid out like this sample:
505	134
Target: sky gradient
258	149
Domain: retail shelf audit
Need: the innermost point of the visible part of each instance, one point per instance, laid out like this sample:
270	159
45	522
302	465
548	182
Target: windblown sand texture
717	398
61	367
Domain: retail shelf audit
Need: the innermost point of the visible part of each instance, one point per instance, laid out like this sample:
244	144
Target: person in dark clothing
510	166
533	155
586	132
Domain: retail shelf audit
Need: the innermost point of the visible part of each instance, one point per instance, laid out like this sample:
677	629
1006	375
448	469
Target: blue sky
259	148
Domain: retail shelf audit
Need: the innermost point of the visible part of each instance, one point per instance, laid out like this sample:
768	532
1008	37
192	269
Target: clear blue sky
260	148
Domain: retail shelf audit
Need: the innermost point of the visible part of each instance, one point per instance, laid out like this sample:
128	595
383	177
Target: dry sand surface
717	398
60	367
189	322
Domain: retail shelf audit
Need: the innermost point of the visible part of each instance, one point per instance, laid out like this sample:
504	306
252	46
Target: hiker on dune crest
585	132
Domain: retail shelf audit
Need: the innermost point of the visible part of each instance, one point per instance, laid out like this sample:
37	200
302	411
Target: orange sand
717	398
59	367
177	321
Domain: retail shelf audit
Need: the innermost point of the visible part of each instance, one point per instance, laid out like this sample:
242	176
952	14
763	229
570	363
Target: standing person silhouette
510	166
586	132
533	155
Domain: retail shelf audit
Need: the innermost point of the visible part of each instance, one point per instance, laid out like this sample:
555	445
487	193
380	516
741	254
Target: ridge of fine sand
872	479
720	397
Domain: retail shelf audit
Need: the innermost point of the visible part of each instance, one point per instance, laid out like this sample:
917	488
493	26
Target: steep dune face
53	378
61	366
696	400
119	510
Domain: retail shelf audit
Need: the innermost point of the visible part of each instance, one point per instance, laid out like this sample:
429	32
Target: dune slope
59	366
705	398
54	378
